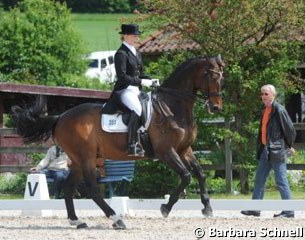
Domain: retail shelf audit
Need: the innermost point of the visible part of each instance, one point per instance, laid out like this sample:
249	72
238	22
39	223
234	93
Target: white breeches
130	99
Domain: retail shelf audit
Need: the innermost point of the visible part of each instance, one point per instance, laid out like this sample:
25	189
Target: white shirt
135	89
131	48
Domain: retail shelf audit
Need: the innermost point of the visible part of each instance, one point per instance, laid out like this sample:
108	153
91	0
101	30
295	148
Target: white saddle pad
114	123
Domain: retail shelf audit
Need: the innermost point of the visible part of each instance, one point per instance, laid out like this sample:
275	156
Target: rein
185	95
200	98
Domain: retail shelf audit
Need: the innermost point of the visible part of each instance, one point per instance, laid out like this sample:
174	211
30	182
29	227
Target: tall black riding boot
134	147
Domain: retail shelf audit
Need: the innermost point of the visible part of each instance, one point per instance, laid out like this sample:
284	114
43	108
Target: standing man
130	77
276	136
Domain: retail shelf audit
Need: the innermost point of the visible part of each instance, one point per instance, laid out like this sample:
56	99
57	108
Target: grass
10	196
299	194
100	31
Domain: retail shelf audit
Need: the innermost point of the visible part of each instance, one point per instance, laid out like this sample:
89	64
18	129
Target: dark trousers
59	177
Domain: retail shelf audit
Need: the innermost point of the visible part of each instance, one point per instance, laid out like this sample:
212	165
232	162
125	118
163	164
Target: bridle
214	94
201	98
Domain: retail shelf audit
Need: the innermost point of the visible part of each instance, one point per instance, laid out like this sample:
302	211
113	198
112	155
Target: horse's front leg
201	177
96	195
69	188
172	159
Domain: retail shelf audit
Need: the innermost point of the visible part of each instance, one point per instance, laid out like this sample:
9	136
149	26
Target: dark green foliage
98	6
39	44
14	184
88	6
7	4
152	180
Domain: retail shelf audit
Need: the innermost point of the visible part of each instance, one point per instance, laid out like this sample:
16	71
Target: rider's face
131	39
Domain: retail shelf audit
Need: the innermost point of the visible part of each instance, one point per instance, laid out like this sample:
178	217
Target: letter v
32	191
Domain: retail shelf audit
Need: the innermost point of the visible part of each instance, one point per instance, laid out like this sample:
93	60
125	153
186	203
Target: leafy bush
217	185
39	44
152	180
36	157
13	184
84	82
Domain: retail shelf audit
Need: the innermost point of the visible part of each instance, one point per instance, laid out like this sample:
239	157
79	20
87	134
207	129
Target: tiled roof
162	41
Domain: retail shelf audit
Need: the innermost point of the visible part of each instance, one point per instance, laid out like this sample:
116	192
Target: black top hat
130	29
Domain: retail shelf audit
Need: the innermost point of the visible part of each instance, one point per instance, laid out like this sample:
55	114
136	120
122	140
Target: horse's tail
32	123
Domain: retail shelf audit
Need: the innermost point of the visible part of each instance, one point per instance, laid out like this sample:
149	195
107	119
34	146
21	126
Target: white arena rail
37	199
154	204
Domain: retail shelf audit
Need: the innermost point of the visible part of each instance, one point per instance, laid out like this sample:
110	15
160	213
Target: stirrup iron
136	149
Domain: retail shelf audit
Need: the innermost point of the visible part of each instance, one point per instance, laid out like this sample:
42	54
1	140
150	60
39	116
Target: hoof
83	225
79	224
207	212
164	211
119	225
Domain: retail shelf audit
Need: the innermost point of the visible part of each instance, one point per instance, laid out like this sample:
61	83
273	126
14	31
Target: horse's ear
219	60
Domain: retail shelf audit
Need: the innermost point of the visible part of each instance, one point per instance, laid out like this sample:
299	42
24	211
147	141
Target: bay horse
172	131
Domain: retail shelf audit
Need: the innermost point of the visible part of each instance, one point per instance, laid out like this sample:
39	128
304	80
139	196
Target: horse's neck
179	96
182	86
181	108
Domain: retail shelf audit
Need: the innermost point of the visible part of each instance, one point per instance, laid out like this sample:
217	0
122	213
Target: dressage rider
130	77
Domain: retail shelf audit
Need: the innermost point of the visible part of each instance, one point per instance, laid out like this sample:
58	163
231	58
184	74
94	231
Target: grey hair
270	87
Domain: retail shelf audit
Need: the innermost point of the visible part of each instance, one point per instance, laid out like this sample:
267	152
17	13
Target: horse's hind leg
173	160
197	171
69	188
96	195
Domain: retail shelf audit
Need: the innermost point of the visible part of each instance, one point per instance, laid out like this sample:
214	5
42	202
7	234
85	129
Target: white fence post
120	206
37	189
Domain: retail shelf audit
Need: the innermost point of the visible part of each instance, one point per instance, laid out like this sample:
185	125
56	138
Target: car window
93	63
103	63
110	60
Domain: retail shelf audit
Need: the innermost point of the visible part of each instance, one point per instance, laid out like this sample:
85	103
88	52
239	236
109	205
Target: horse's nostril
215	108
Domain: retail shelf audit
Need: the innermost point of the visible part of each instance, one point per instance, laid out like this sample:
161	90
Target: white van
101	66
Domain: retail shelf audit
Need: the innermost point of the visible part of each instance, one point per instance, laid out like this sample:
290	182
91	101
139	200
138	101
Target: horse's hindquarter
76	128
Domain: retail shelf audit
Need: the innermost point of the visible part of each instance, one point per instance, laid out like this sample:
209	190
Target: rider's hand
146	82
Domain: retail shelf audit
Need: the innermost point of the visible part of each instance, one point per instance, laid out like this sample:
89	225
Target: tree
39	44
259	41
7	4
90	6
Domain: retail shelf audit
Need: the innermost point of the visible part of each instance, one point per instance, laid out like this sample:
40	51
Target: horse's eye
215	75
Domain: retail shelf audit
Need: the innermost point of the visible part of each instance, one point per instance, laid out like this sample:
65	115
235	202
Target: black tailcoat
129	68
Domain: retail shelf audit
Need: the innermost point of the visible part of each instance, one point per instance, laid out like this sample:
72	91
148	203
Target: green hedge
152	180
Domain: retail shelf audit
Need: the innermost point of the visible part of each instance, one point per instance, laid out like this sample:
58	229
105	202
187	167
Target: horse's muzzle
216	108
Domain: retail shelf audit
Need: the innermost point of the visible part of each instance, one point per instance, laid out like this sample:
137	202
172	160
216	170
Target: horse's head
210	81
